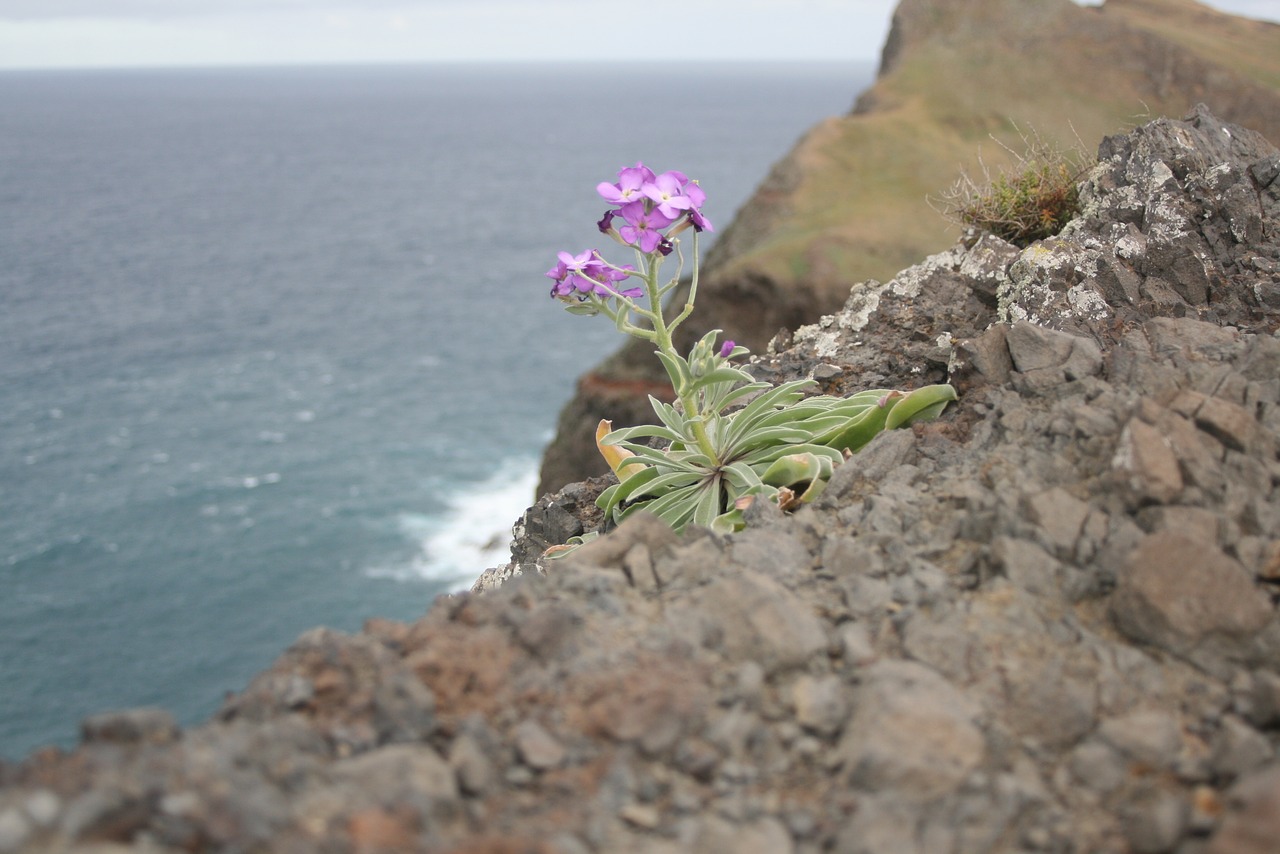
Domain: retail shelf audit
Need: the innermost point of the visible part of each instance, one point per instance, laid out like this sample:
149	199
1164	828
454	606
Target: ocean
276	349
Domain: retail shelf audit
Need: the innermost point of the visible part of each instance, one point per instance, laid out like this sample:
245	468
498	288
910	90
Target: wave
473	534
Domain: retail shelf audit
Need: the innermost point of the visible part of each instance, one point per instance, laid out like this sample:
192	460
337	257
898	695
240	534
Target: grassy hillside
965	80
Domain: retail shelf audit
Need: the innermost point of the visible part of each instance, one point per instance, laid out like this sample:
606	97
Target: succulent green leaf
860	430
728	523
762	457
923	404
792	469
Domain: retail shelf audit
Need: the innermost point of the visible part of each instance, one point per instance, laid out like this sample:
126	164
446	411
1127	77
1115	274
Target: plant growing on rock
728	438
1030	200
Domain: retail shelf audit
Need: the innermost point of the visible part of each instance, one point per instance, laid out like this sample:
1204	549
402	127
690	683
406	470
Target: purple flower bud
726	348
606	222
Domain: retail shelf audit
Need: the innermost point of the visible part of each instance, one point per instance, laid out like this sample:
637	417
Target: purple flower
726	348
629	188
643	226
587	273
667	192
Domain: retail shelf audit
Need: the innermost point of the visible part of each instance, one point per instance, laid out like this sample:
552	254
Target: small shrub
1025	202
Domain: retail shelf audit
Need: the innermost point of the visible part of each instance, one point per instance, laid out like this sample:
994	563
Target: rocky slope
959	79
1046	622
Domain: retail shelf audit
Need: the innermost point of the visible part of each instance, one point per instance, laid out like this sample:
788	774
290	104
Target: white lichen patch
984	266
1158	178
1219	177
1131	247
825	336
1087	302
1165	220
1047	283
911	281
825	343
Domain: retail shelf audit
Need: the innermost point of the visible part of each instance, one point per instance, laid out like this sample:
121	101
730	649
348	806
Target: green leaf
728	523
677	370
861	429
709	504
676	507
643	431
792	469
620	492
743	391
720	375
742	478
667	415
923	404
664	483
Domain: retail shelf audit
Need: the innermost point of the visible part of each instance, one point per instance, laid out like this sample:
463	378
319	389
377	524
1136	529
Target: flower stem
662	338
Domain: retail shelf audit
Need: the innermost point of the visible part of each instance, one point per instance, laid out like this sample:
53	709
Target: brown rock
381	831
1177	593
1252	822
1147	464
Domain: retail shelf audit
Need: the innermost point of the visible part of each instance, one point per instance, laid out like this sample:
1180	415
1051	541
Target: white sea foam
472	535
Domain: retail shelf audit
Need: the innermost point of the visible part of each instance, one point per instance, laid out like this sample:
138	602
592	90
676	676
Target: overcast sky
124	33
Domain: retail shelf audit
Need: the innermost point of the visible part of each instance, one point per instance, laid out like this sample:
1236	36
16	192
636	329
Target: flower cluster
647	203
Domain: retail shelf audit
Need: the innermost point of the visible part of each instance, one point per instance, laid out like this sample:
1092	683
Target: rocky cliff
1046	622
959	79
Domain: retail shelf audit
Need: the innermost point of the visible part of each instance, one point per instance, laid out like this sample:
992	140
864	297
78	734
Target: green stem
662	338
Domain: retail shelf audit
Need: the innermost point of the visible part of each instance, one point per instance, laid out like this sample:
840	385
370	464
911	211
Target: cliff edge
958	80
1048	621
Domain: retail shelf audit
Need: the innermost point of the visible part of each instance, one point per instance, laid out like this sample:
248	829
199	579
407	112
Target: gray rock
1046	358
911	731
397	773
1154	820
761	620
821	704
1148	736
15	830
1239	749
538	748
764	836
474	769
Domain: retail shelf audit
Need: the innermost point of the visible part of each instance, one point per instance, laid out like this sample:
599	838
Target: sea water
276	349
